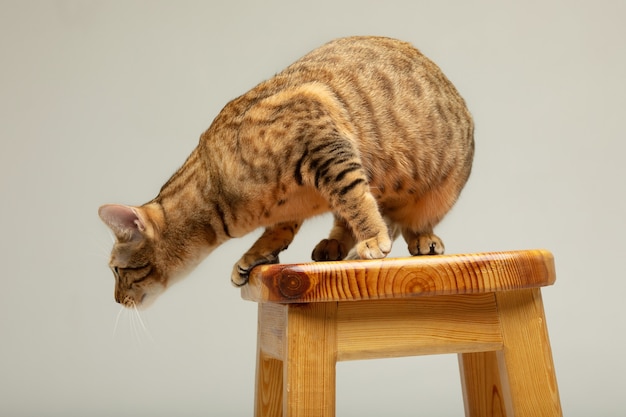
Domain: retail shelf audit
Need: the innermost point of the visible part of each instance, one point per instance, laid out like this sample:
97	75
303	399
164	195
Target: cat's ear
124	221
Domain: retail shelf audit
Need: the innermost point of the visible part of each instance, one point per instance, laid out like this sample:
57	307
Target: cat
365	127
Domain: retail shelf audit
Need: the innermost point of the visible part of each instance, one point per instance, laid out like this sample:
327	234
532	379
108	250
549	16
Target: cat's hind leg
423	243
265	250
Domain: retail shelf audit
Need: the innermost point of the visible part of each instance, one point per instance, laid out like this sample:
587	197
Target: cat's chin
146	301
149	297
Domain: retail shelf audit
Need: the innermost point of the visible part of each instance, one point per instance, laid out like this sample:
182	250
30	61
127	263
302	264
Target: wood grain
310	360
271	329
485	307
411	327
482	390
268	398
525	363
400	277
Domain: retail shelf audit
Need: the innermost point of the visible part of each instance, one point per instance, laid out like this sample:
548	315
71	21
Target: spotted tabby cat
365	127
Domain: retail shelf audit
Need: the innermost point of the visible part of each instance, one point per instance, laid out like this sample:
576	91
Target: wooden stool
485	307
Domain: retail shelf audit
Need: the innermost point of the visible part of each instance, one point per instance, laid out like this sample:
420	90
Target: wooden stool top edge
398	278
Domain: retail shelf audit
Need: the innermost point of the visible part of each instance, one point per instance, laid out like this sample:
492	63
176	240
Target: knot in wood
293	284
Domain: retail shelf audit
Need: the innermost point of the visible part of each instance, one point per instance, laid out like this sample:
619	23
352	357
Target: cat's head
141	260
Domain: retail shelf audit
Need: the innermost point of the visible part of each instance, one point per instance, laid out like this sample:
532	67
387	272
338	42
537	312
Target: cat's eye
132	275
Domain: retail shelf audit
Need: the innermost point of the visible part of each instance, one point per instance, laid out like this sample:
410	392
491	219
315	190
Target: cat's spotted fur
365	127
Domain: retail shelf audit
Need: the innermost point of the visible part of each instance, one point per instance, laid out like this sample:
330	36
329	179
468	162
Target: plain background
101	101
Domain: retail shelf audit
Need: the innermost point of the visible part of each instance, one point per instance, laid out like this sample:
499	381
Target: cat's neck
183	216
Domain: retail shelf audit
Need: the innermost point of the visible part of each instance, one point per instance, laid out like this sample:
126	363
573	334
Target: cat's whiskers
133	328
117	320
141	323
137	326
132	324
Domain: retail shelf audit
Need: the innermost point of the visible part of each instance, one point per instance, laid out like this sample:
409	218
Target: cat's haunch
365	127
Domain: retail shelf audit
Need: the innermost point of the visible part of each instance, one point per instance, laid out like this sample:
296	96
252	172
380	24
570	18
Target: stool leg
525	363
482	391
268	401
310	357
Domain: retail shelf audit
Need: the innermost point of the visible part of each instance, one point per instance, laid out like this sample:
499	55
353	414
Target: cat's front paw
374	248
239	276
241	271
426	244
329	250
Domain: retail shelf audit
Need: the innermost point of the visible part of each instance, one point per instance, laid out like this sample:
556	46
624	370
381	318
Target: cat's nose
125	300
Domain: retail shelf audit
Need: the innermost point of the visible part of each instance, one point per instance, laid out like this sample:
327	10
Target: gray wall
101	101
